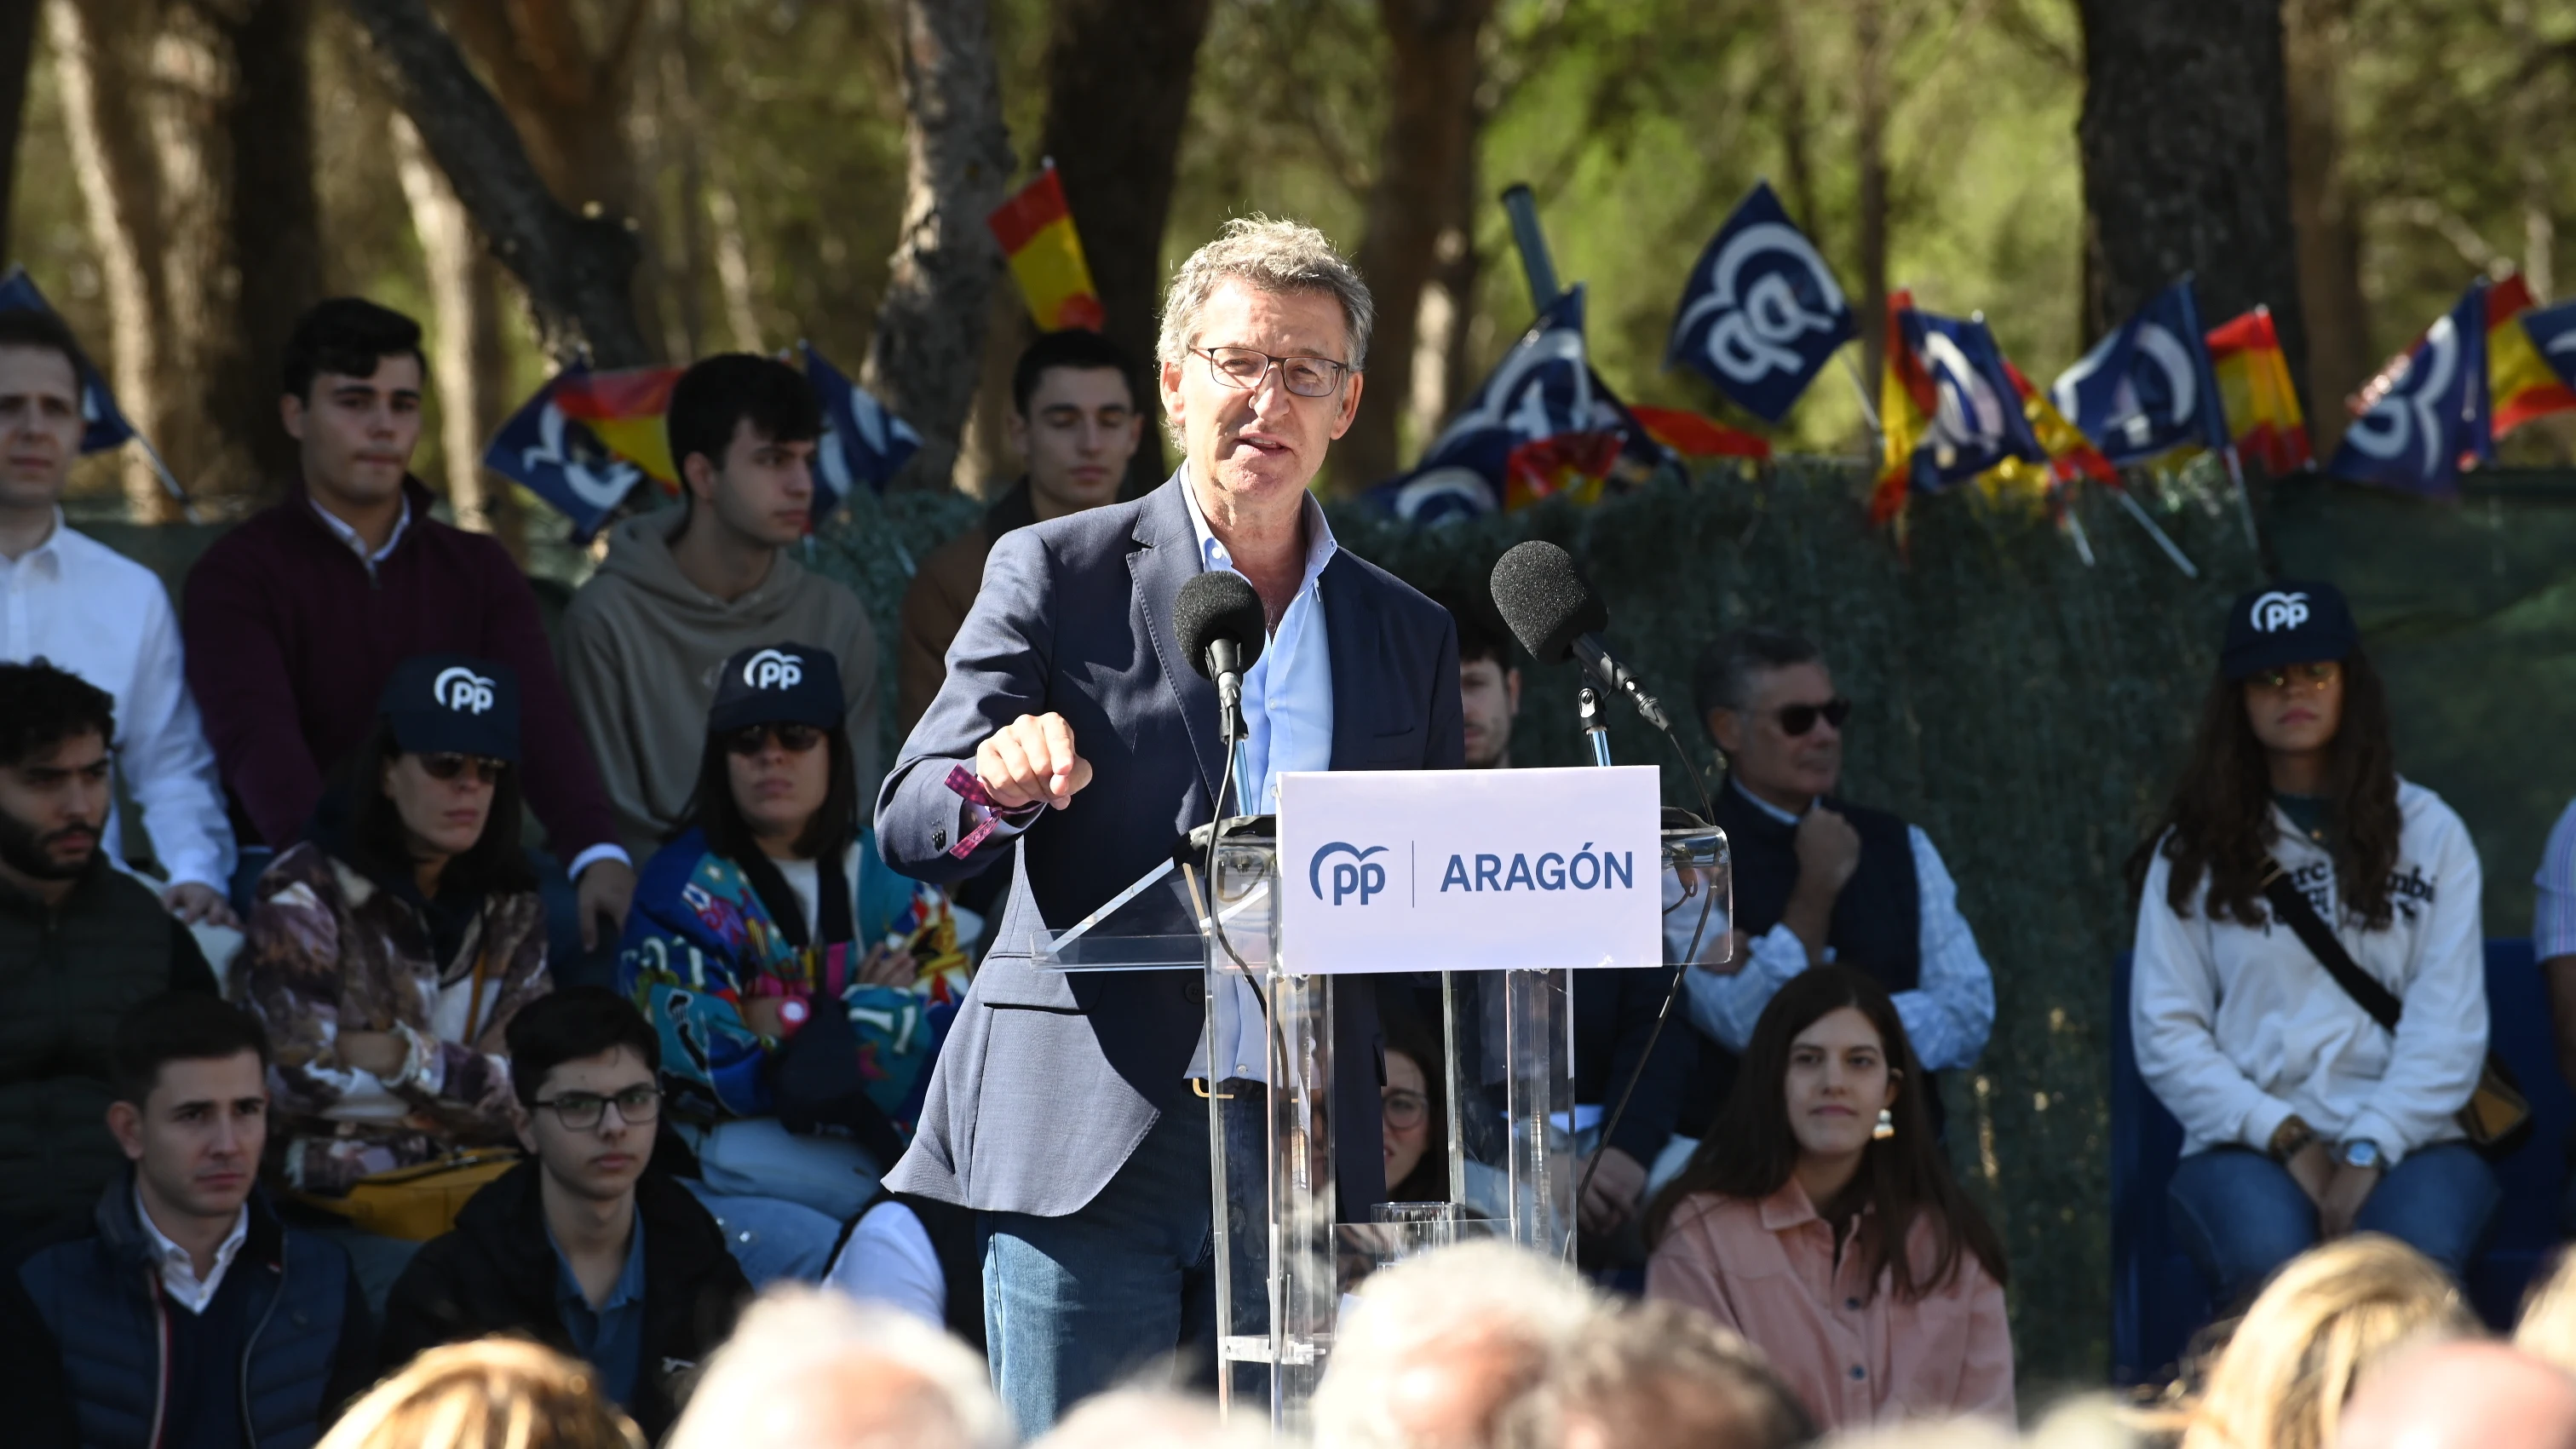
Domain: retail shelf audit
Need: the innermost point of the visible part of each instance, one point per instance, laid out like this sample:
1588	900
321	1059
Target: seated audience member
93	611
1816	878
2303	1118
1415	1120
1818	1218
83	942
682	590
388	953
182	1311
2281	1378
1075	423
494	1393
580	1247
295	619
1439	1349
2553	940
920	1255
1614	1011
1658	1376
2461	1396
774	952
815	1370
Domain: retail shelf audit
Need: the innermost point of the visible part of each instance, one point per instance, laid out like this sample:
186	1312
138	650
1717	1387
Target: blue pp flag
2435	411
561	460
861	442
2148	387
1977	418
1761	314
104	424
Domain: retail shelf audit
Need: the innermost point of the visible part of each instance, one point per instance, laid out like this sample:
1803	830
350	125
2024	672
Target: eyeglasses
1797	719
581	1111
1245	367
487	771
1406	1110
752	740
2315	676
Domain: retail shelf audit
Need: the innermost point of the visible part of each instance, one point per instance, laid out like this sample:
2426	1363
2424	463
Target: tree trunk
578	270
1797	127
17	61
929	339
2324	216
1870	140
1118	95
97	48
275	229
2185	137
470	368
1432	71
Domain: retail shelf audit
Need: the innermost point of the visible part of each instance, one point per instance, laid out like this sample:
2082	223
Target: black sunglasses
795	739
487	771
1797	719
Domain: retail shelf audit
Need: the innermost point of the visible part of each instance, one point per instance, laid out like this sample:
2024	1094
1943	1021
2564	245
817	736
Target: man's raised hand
1031	761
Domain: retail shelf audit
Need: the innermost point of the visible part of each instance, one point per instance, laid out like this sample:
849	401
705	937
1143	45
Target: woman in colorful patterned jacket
772	903
389	950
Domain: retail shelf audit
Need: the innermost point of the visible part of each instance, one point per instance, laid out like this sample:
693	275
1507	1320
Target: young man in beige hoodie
681	591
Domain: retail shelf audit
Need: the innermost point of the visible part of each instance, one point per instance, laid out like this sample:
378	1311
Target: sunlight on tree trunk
2315	38
1797	165
733	267
17	60
468	367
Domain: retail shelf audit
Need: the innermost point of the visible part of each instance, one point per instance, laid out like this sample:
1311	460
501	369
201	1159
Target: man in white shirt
67	598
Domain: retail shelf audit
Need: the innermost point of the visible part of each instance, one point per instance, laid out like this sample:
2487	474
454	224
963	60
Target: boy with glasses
1817	878
580	1247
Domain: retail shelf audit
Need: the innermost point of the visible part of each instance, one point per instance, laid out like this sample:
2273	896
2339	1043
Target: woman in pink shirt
1782	1225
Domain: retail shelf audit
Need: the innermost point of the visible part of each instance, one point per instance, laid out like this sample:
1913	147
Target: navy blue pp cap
778	684
452	704
2285	623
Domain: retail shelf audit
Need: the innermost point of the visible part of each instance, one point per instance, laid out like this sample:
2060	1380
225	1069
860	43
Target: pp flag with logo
1976	419
1539	427
2523	381
556	455
2147	388
2430	409
861	442
1761	314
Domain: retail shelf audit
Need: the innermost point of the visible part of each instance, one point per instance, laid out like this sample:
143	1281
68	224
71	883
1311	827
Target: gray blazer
1049	1080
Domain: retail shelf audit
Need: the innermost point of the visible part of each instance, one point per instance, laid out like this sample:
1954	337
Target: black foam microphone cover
1545	600
1219	604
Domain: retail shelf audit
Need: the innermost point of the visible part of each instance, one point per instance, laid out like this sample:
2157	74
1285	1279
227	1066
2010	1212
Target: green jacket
66	974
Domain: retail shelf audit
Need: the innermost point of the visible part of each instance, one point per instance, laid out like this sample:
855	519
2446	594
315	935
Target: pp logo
462	690
2277	610
1358	875
772	669
1758	322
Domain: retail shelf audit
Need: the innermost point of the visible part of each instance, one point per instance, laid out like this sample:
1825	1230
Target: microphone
1553	611
1221	628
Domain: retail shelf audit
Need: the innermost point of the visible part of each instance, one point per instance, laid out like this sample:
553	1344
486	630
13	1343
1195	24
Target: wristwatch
2361	1152
2287	1139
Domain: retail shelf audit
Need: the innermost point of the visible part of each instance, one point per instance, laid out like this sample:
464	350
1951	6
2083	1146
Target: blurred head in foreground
494	1393
814	1370
1658	1376
1148	1419
2462	1396
2282	1379
1441	1346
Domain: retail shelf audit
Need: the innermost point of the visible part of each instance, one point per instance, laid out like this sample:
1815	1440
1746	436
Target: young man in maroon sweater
294	619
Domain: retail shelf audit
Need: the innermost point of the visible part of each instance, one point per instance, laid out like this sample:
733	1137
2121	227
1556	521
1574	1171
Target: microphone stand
1596	730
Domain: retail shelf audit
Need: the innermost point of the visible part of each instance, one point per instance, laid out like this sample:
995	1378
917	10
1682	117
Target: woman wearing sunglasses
389	950
2303	1117
800	986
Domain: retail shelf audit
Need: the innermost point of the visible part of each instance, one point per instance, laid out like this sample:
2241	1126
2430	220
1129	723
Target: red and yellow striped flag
2520	382
1694	435
1036	231
2263	417
2071	455
624	409
1906	404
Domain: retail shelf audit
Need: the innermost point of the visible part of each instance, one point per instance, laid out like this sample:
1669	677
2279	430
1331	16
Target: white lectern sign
1459	870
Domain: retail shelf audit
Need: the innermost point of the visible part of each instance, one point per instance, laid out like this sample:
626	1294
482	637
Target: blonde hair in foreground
2328	1317
2547	1330
494	1393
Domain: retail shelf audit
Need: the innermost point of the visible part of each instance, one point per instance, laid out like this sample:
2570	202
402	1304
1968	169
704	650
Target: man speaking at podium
1071	725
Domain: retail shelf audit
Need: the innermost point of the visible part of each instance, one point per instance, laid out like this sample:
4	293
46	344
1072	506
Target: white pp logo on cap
2276	611
772	669
462	690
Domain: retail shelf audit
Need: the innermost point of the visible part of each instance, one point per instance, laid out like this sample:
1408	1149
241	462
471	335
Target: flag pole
2244	497
2163	540
187	505
1860	389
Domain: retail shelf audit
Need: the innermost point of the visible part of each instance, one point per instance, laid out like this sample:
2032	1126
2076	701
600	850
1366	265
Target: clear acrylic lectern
1283	1262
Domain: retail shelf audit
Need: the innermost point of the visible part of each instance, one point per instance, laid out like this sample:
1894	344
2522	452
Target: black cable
1216	914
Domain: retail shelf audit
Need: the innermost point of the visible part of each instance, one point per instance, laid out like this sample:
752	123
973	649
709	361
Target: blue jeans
774	1240
2239	1215
1073	1305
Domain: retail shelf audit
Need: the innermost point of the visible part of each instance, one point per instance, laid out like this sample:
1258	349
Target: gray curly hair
1275	256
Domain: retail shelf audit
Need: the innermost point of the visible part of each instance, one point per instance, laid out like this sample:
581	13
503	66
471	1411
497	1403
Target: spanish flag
1906	404
624	409
1036	231
2263	417
1693	435
2520	380
2070	454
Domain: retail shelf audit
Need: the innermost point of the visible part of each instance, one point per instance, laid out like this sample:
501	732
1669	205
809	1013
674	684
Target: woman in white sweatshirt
2303	1118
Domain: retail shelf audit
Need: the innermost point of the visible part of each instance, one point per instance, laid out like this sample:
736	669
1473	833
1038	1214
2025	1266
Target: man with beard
83	942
